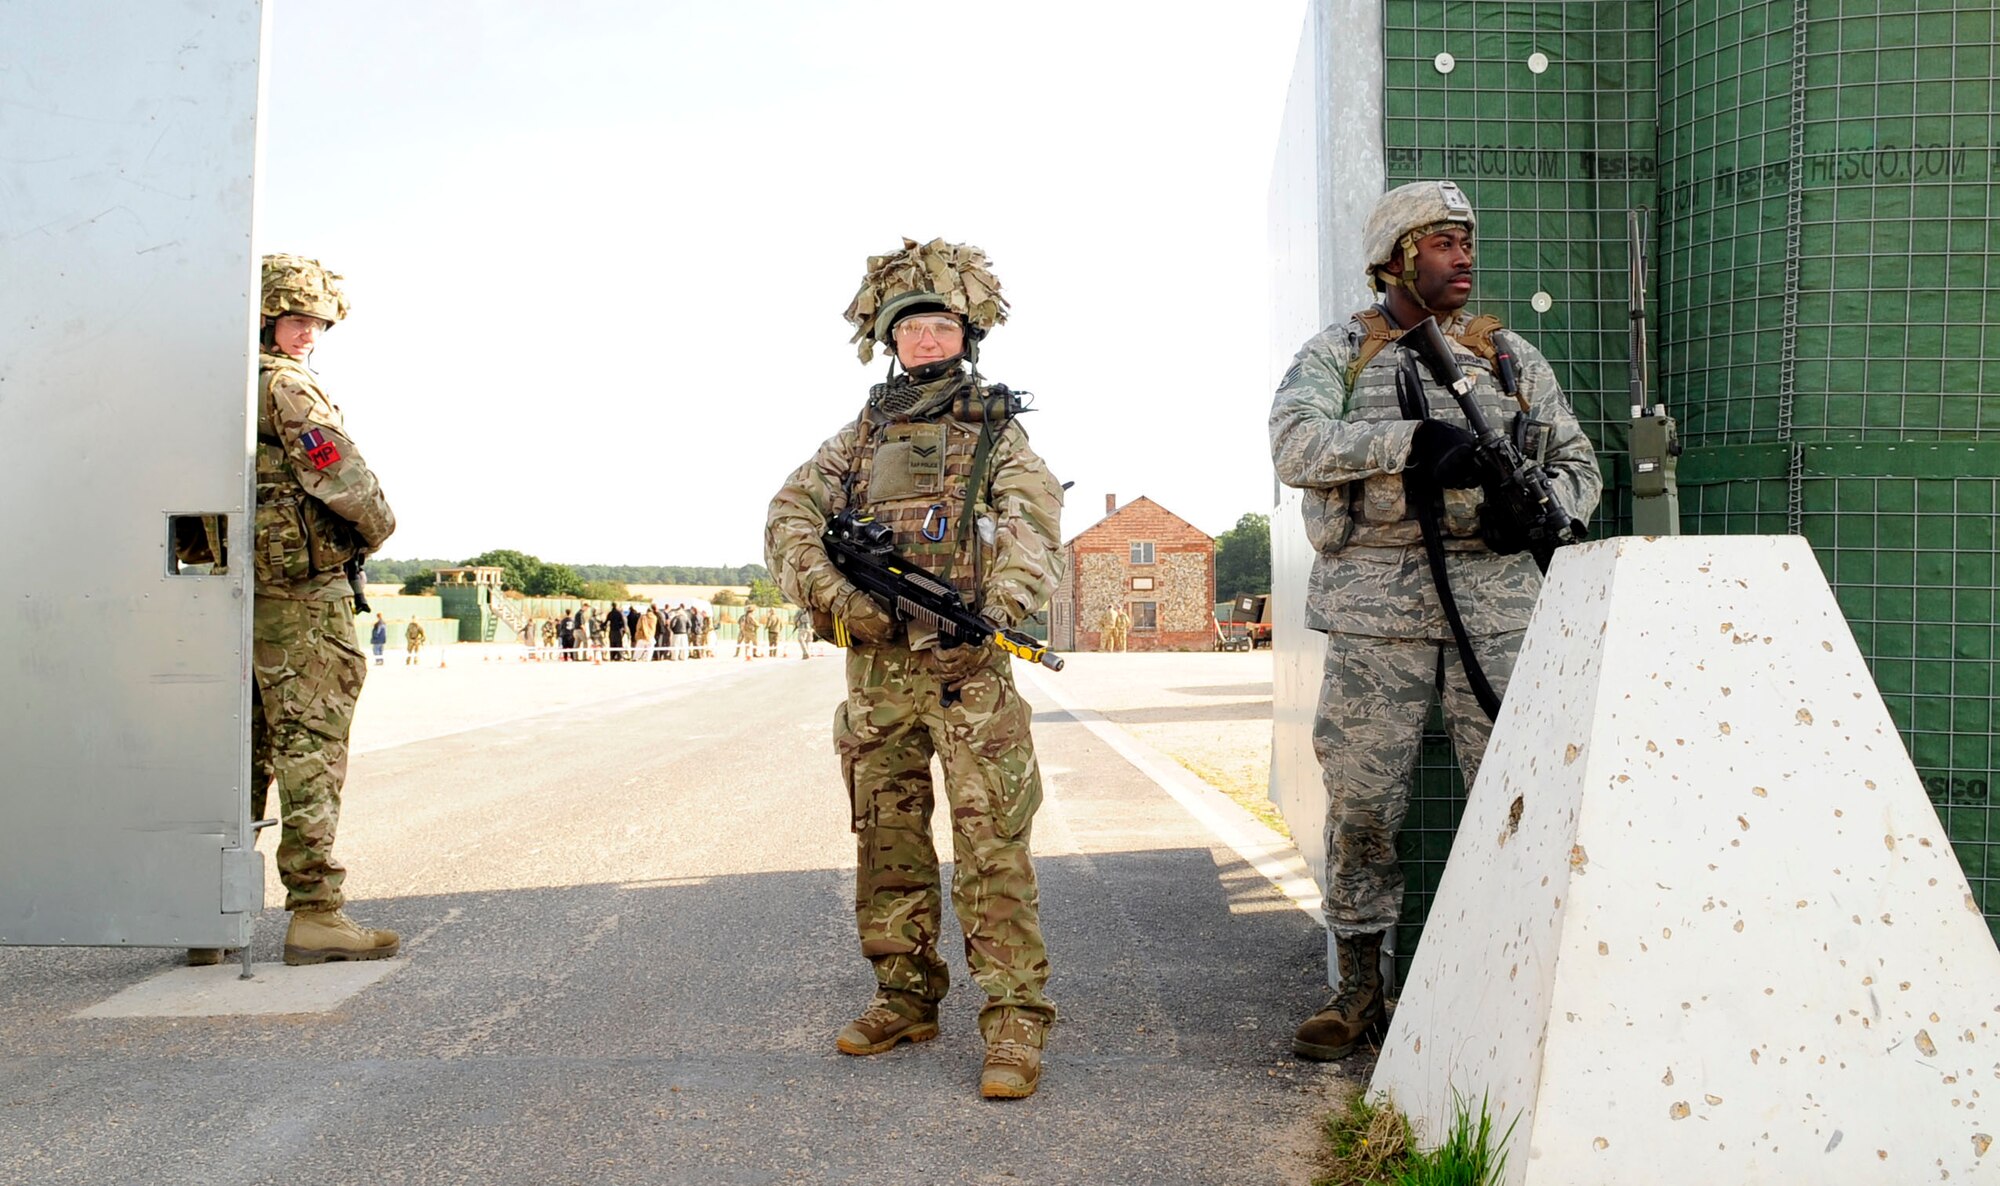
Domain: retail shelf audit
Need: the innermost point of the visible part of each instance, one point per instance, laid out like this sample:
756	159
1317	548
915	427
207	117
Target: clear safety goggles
937	325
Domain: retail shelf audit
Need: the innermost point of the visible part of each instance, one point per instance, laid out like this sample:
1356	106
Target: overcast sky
599	252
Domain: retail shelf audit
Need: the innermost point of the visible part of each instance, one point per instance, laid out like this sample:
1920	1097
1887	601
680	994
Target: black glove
1445	454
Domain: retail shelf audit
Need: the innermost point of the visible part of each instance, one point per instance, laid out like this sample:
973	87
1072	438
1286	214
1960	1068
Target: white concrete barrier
1701	923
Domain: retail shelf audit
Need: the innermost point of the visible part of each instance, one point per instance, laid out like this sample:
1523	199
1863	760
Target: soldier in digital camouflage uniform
318	506
937	455
1339	433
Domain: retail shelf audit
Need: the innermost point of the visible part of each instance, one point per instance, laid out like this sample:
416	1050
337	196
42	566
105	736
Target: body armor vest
914	476
1380	514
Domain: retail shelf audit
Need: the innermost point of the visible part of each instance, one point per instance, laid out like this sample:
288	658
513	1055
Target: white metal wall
1328	173
127	352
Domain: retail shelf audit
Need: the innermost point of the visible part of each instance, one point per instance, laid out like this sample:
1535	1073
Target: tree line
1243	558
535	577
1242	566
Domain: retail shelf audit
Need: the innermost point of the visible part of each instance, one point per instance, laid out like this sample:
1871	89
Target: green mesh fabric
1826	303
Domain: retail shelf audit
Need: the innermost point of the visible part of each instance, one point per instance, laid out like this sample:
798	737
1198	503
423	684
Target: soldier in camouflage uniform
318	507
938	456
1338	432
413	641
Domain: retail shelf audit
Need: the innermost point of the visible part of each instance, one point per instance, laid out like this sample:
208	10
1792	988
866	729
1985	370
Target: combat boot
882	1025
320	936
1355	1009
1014	1059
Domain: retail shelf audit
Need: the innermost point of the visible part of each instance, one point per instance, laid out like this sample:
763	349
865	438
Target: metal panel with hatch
127	356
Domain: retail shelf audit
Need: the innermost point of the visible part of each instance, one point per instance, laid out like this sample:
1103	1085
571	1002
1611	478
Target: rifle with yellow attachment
865	553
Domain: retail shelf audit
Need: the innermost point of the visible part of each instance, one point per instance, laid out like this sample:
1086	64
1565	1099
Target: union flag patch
321	451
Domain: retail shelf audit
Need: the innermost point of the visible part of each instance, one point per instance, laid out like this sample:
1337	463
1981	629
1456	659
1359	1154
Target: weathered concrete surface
1701	923
628	945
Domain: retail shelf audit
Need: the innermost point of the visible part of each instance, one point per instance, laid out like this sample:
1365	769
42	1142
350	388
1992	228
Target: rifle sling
1423	496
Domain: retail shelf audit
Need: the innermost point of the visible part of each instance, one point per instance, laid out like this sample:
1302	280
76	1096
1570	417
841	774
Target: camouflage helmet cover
1408	213
295	284
937	274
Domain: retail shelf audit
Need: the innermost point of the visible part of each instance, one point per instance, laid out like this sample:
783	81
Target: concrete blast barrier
1701	923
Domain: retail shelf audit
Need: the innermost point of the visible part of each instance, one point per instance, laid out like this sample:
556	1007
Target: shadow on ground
681	1031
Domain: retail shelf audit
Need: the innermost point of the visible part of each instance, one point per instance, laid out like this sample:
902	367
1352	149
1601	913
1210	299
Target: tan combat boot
1014	1059
318	936
1355	1009
881	1026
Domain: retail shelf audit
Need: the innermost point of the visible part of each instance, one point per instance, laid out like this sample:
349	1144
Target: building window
1146	614
1142	551
1142	584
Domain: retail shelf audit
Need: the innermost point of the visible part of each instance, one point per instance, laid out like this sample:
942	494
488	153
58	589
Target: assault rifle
1517	488
865	553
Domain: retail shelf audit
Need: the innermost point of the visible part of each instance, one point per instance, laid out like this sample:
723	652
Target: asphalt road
628	945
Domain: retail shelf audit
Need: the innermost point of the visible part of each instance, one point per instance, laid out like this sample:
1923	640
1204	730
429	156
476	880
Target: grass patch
1247	787
1371	1144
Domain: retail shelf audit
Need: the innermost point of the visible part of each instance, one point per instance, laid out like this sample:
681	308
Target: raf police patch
321	451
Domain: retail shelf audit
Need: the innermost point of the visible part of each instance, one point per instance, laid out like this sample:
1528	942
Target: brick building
1155	564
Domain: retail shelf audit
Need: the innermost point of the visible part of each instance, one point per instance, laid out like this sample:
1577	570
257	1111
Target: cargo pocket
995	724
849	745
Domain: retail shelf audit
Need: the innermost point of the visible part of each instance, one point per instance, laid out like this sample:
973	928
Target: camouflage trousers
1373	702
886	731
308	668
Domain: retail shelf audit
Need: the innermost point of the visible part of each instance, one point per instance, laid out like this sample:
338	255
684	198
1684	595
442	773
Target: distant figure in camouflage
318	507
1121	629
802	627
774	630
1340	433
1107	629
746	633
937	455
413	641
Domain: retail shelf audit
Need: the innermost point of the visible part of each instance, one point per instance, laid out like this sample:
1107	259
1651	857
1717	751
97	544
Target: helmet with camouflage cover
952	277
295	284
1405	215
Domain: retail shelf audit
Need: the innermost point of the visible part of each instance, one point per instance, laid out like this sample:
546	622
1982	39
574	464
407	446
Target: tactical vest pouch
1381	500
282	557
330	539
908	463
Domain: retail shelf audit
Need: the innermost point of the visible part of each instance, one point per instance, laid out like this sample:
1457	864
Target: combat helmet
1405	215
295	284
952	277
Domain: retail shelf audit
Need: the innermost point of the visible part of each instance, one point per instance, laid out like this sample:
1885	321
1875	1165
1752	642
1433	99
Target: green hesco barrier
1830	247
1830	252
1827	244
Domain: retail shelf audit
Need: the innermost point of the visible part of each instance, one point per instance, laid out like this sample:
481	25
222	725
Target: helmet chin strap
1408	280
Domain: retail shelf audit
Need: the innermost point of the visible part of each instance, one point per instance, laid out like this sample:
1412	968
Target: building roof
1123	507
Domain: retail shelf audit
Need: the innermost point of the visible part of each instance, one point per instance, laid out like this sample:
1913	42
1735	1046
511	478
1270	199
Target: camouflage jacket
1346	448
1012	544
318	503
